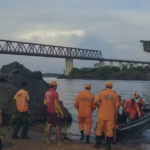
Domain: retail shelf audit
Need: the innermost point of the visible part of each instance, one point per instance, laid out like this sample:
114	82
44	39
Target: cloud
115	27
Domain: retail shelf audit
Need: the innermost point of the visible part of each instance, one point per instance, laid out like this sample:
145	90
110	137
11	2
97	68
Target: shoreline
97	79
37	143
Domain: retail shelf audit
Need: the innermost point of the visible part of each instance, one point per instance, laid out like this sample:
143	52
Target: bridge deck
43	50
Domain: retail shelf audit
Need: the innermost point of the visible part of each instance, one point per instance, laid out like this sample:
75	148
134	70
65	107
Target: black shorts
54	119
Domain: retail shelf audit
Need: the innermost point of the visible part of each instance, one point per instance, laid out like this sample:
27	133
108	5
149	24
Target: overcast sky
113	26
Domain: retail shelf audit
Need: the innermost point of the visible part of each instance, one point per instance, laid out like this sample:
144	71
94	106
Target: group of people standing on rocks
107	101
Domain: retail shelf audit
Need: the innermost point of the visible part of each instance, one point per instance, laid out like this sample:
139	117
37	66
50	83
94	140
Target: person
1	121
121	114
132	109
109	104
54	111
84	103
114	132
140	101
22	100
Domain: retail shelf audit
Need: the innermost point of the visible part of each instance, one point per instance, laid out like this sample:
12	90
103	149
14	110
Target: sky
113	26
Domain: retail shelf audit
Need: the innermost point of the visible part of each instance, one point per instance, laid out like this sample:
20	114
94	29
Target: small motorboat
136	127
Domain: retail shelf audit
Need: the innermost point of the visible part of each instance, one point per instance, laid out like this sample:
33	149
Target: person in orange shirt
22	100
84	103
109	104
132	109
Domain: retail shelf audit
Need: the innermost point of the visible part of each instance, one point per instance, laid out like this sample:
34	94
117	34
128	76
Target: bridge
69	53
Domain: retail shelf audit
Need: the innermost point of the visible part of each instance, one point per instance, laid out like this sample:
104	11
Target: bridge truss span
42	50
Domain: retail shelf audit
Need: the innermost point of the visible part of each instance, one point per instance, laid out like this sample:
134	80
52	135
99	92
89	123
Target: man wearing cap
54	111
109	104
84	103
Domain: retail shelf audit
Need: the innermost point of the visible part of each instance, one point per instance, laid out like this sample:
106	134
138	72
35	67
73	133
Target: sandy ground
37	143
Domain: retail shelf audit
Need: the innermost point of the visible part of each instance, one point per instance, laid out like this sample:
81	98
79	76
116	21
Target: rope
45	132
66	133
13	118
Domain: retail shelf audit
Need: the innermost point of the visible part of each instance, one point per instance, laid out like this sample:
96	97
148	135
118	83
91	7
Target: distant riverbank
109	73
52	75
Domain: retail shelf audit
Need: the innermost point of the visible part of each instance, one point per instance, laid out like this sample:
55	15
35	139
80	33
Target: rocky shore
11	76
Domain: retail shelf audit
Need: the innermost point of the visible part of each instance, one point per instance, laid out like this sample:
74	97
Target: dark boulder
10	79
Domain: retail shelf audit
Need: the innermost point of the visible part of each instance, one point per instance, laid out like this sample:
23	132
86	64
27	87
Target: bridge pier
69	66
136	65
111	63
143	66
102	64
128	65
120	65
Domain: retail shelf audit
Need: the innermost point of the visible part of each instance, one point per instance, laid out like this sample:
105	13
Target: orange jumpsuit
132	110
108	101
84	103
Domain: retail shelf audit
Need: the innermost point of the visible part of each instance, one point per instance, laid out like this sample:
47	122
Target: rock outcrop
11	76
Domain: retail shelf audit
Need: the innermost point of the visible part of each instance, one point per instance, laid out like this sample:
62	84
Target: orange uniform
131	109
84	103
108	101
22	99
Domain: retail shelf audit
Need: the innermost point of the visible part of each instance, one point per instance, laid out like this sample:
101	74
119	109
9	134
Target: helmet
136	95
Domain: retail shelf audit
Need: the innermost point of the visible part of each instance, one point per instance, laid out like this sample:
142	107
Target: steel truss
33	49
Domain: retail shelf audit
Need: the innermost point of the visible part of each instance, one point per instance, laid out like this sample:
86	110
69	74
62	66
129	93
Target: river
68	90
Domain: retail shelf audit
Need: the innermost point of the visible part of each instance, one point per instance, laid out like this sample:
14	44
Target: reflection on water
68	89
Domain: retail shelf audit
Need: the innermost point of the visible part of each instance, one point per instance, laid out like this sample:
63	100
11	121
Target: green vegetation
51	74
113	73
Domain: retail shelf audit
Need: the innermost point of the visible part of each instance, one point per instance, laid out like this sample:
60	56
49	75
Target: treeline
111	73
51	75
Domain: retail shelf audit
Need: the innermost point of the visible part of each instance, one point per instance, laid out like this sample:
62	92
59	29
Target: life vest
138	100
22	100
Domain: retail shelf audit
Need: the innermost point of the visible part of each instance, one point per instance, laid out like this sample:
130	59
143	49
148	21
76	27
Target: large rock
10	79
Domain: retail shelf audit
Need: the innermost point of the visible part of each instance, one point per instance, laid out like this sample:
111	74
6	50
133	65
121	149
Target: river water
68	90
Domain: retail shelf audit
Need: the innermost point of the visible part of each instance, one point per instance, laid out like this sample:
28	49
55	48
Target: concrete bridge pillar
69	66
120	65
111	63
128	65
136	65
143	66
102	64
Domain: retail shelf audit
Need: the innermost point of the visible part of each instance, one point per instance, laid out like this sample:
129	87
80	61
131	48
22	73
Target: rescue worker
22	100
114	132
132	109
84	103
109	103
140	101
1	121
54	111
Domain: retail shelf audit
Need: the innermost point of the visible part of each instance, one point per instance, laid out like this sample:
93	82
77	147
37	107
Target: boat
136	127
